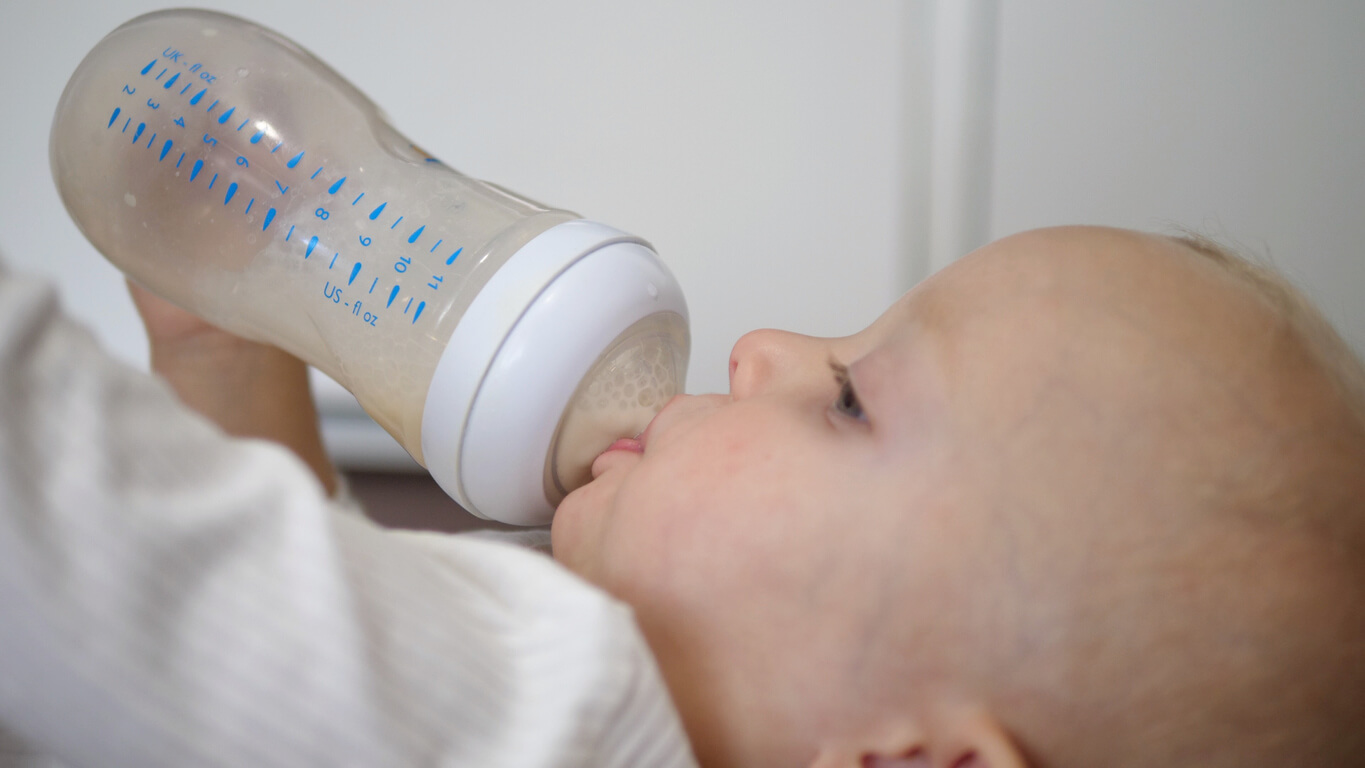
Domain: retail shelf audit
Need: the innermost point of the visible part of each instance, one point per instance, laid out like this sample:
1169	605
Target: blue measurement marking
164	149
334	260
312	243
437	245
194	102
149	141
198	166
283	189
407	306
126	122
293	161
244	122
277	148
232	190
249	203
372	285
375	213
171	82
269	217
113	117
413	238
149	66
162	72
211	106
291	233
226	115
357	199
257	138
140	128
315	173
395	223
454	256
392	295
332	190
354	271
213	181
181	160
186	88
421	306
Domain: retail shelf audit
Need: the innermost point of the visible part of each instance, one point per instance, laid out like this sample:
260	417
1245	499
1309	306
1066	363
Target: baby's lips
626	444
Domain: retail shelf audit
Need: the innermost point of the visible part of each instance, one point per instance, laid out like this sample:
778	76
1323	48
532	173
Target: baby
1085	497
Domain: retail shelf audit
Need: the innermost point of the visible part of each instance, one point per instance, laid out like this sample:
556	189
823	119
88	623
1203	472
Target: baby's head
1086	497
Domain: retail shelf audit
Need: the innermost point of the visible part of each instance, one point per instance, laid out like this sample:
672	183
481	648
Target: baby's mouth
626	444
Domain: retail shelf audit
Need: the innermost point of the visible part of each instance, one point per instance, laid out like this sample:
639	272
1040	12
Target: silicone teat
631	382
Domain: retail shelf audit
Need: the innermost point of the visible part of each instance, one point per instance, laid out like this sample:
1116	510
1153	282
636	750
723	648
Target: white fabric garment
173	597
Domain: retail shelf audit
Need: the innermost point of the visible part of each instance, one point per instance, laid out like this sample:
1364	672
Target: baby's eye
847	400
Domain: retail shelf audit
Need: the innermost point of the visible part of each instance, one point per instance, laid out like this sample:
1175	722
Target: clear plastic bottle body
232	172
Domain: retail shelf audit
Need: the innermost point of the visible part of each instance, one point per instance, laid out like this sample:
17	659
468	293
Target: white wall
756	144
1244	118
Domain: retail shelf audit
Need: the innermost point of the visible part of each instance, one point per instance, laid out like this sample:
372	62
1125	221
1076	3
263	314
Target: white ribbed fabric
172	597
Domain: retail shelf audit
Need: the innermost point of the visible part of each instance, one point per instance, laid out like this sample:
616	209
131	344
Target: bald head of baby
1156	500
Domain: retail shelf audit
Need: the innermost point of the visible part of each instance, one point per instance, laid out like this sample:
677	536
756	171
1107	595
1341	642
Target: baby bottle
504	344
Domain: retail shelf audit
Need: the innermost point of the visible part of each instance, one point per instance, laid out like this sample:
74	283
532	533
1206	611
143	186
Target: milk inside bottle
503	343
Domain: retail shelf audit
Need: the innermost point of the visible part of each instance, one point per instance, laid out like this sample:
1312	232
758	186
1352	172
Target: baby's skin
1086	497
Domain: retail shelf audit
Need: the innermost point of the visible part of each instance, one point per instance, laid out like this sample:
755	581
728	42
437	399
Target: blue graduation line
164	149
198	166
277	148
437	245
249	203
213	181
149	66
186	88
291	233
181	160
113	117
126	122
244	122
293	161
333	262
332	190
269	217
232	190
354	271
372	285
194	102
226	114
375	213
357	199
395	223
211	106
162	72
149	141
171	82
315	173
407	306
392	295
140	128
416	234
257	138
421	306
312	243
454	256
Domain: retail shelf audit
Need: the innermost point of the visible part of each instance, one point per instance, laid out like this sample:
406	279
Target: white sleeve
169	596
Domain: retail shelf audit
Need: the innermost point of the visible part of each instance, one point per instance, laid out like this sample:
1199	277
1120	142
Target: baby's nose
767	359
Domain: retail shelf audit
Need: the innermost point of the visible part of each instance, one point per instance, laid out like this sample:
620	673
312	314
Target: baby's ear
973	738
965	738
